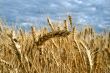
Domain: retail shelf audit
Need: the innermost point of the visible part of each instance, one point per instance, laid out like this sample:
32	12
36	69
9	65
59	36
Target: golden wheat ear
22	33
50	35
109	35
65	25
33	33
50	24
0	28
74	32
70	21
16	45
109	40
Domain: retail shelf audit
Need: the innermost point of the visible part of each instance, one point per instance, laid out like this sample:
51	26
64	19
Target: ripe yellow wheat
55	51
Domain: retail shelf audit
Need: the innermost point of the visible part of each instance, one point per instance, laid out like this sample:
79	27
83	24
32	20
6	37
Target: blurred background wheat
62	49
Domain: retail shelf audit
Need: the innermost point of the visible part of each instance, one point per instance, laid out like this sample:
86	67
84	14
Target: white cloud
93	8
66	4
103	26
26	24
53	5
82	10
78	1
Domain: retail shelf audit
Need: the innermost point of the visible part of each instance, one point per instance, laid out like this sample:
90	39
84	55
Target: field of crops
61	48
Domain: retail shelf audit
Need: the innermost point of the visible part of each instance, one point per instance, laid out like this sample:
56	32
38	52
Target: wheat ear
70	20
49	35
65	25
50	24
15	45
33	33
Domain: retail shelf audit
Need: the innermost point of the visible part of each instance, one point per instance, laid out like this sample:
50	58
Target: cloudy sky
95	12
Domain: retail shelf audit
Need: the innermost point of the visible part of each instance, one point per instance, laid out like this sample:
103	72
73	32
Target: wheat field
62	49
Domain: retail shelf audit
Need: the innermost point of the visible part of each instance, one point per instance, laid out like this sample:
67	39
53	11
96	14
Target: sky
26	12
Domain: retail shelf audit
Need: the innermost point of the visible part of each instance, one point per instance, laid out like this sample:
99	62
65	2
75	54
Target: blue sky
94	12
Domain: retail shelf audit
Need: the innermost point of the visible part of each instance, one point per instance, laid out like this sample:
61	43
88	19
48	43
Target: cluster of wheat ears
62	49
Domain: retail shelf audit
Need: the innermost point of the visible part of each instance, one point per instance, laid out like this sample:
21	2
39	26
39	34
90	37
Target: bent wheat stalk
88	52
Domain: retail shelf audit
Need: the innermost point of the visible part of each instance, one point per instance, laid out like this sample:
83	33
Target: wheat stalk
88	52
